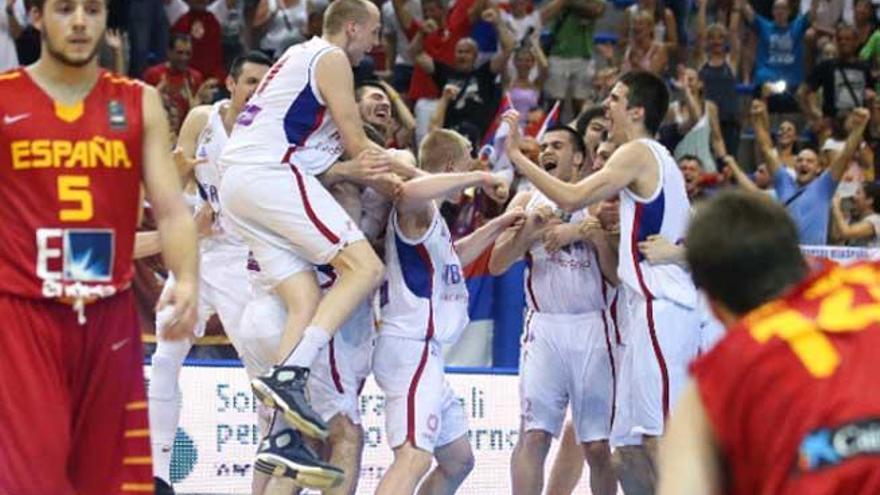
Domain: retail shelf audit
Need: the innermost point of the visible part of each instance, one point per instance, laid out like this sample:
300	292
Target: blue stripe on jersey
303	116
651	220
416	269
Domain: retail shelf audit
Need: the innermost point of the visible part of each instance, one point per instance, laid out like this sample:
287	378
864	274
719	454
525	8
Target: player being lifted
271	192
76	145
425	307
659	327
567	354
223	263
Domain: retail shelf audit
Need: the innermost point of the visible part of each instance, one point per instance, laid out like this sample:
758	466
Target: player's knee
535	442
344	433
597	453
458	468
362	260
414	461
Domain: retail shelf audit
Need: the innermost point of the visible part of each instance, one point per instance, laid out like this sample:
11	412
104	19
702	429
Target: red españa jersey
792	390
69	187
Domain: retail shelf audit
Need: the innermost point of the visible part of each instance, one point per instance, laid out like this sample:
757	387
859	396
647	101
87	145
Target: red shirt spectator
207	39
176	81
440	43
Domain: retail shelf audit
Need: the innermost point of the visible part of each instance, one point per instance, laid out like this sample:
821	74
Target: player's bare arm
689	457
606	248
621	170
175	224
860	118
470	248
515	241
415	200
187	139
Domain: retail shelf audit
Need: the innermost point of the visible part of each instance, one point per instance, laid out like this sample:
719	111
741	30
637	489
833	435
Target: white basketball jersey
665	213
286	121
568	281
424	296
209	146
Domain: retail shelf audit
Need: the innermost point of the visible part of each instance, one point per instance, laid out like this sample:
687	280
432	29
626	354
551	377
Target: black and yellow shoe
285	455
284	388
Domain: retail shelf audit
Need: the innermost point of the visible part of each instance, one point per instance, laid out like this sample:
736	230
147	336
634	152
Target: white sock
164	402
304	354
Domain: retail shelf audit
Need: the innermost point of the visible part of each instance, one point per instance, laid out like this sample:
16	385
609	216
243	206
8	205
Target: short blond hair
440	147
342	11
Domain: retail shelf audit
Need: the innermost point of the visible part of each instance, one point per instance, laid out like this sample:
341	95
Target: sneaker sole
305	476
270	399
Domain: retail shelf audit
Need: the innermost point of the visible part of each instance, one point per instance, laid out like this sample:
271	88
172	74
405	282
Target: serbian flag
551	119
492	150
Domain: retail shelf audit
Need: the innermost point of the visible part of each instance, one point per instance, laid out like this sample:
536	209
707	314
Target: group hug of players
295	201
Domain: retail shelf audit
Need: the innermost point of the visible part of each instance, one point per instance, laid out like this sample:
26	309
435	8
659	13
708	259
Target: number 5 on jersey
74	189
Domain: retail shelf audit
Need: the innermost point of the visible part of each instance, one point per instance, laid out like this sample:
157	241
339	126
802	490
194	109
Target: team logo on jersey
116	115
831	446
452	274
68	258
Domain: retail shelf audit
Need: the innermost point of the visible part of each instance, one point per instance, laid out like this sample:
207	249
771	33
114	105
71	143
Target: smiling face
465	54
603	153
558	155
616	110
806	167
71	29
363	36
781	11
787	133
375	106
691	171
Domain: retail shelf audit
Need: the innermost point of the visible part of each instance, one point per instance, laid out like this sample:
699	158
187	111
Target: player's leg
346	442
164	393
634	470
110	452
455	459
410	374
455	462
543	401
568	467
592	395
35	414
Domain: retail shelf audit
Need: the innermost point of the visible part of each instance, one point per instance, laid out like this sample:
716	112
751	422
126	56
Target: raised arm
402	14
551	9
860	118
417	193
589	9
417	47
505	38
746	9
862	230
717	137
174	222
761	125
738	175
700	44
187	140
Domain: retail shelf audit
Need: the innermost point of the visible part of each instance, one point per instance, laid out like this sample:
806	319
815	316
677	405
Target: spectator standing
207	38
717	51
697	119
524	21
665	28
523	88
865	21
779	62
644	53
570	51
846	81
807	196
470	95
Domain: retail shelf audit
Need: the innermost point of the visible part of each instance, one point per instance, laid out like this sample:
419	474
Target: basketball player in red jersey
787	401
76	144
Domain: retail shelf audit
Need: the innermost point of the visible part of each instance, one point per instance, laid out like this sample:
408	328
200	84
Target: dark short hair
872	192
648	91
253	56
577	141
743	250
369	83
583	120
176	36
693	158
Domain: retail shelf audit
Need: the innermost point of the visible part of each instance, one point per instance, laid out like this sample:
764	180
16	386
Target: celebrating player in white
567	355
424	307
223	255
659	327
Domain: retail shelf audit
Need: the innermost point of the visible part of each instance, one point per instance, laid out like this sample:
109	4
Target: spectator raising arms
665	29
203	27
807	196
865	230
644	53
697	120
523	88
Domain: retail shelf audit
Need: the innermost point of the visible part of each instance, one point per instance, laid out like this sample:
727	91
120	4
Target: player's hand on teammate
559	236
387	184
182	302
370	164
204	219
496	187
657	250
514	217
185	164
608	214
591	230
541	217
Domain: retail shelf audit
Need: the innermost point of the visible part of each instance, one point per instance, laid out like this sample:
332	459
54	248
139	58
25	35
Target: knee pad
165	369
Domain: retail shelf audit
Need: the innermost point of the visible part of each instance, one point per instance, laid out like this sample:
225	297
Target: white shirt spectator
8	55
390	27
